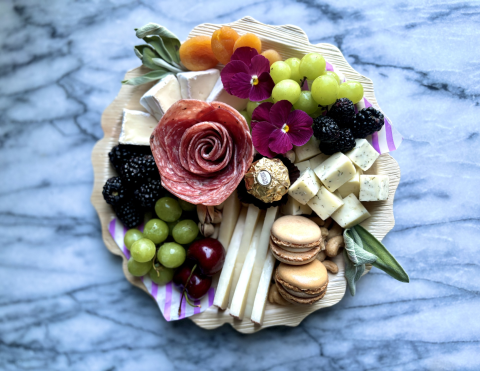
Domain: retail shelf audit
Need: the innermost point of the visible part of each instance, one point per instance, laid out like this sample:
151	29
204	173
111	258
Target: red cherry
198	285
208	254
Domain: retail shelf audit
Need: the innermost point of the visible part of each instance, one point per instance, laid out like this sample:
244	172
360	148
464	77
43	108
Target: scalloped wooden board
289	41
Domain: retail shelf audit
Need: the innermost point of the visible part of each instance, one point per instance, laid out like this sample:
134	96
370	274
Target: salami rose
202	150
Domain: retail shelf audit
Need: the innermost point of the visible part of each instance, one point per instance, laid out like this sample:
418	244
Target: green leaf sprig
160	53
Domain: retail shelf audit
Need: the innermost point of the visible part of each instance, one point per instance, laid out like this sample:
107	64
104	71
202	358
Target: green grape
306	103
143	250
247	118
312	65
318	112
325	90
251	107
185	232
334	75
172	225
294	64
280	71
168	209
138	269
171	255
156	230
187	206
352	90
131	236
161	275
286	90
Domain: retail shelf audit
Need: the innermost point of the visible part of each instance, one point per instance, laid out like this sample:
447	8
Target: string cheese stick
231	210
222	293
262	249
262	291
237	307
250	223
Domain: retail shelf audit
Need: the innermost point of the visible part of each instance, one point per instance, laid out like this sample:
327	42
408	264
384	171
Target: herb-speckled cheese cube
305	187
363	154
352	186
308	150
318	159
335	171
373	187
351	213
325	203
302	166
293	207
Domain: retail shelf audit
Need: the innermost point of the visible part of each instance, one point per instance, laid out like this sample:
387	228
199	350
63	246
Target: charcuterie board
289	41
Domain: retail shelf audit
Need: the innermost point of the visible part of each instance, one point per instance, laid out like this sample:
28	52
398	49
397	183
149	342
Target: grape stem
185	294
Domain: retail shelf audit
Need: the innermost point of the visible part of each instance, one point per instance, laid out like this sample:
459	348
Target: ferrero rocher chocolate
267	179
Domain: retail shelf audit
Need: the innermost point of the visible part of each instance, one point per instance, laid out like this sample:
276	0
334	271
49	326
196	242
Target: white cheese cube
290	155
318	160
373	187
219	94
335	171
137	127
305	187
325	203
363	154
197	84
308	150
336	193
302	166
161	96
293	207
351	213
351	186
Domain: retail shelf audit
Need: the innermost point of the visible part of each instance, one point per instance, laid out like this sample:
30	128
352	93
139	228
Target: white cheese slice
308	150
374	187
224	284
302	166
161	96
351	186
231	209
351	213
293	207
318	160
237	308
325	203
335	171
137	127
262	250
363	154
219	94
262	291
305	187
197	84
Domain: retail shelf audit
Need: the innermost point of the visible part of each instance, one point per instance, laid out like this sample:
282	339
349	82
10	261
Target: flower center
254	80
285	128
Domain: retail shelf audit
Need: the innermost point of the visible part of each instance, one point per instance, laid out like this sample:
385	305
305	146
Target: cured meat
202	150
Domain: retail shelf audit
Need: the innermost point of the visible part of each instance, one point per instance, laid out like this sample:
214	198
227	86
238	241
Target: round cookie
294	258
296	231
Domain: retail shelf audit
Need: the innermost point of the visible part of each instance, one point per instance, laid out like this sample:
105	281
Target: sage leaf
147	60
354	247
385	261
352	273
160	62
148	77
167	42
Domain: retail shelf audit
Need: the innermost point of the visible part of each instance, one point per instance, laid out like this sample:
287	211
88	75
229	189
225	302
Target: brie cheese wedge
219	94
197	84
137	127
161	96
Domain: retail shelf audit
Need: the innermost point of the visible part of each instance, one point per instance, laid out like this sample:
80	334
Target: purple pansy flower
247	75
276	129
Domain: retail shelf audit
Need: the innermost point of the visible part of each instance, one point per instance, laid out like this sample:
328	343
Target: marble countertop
64	302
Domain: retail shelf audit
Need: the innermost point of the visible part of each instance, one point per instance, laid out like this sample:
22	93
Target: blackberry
114	192
325	129
366	122
344	144
129	214
148	194
121	154
140	170
343	112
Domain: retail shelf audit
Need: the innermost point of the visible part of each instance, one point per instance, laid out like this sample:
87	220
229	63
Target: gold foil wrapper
267	179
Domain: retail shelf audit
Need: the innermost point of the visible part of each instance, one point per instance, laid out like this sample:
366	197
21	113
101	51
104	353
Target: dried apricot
272	56
223	41
250	40
196	54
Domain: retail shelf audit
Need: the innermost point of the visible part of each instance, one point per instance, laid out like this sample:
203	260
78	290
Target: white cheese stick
222	293
262	291
250	224
231	209
262	250
237	307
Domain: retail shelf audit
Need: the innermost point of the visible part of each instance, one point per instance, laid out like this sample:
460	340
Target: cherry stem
184	291
190	303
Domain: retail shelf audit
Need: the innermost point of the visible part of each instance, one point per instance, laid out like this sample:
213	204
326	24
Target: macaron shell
294	258
282	243
296	230
311	276
296	300
311	292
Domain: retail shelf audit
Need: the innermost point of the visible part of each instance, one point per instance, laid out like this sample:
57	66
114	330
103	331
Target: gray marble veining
64	303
